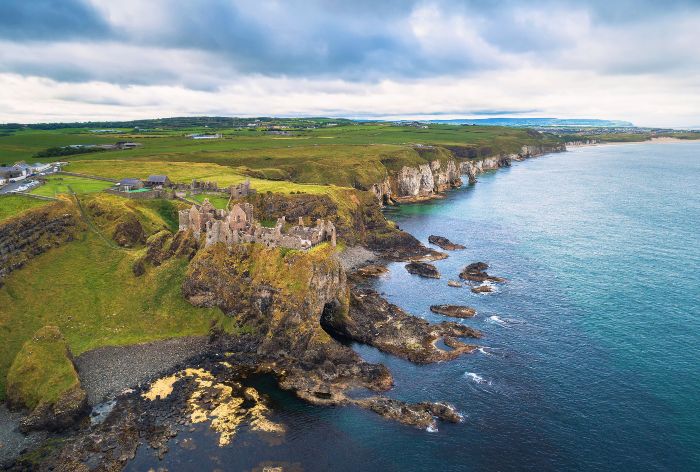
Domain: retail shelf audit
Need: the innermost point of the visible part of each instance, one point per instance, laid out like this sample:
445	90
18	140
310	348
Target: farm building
158	181
129	184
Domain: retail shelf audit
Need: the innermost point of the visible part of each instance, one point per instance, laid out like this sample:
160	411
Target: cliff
287	300
279	297
357	217
34	232
445	171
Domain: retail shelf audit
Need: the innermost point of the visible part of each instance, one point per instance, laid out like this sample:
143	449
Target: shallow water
590	354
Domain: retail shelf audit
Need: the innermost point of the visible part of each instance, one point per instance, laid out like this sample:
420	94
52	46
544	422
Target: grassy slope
88	290
11	205
42	369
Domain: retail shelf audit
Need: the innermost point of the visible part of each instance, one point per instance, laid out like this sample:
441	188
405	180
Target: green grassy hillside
88	290
12	205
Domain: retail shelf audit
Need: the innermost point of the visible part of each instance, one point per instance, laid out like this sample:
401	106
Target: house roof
157	179
10	169
129	182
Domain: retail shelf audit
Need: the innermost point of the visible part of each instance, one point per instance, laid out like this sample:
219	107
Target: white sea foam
498	320
476	378
432	428
484	351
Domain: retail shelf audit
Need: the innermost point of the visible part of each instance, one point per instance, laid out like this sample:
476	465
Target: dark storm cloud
32	20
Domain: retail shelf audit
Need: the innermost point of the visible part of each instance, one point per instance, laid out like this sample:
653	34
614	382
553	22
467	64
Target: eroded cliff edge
444	169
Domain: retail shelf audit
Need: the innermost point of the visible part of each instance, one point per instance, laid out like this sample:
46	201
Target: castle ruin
239	226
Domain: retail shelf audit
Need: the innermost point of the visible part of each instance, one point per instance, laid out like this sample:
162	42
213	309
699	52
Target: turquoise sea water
591	350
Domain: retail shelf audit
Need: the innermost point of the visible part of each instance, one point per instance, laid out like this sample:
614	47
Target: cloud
360	58
643	100
39	20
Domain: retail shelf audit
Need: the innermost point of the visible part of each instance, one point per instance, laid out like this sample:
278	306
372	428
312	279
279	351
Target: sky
79	60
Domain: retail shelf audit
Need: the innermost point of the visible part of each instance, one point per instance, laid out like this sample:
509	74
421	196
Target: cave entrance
331	321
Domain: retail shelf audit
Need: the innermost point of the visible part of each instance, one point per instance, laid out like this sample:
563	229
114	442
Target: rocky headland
293	310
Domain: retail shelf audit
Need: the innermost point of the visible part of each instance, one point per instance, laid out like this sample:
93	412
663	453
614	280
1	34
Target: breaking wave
476	378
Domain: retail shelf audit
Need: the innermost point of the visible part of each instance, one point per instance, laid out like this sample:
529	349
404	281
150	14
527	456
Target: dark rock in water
421	415
482	289
423	269
444	243
476	272
455	311
476	267
374	321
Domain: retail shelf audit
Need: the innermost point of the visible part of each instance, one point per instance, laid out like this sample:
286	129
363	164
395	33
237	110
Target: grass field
216	200
353	155
11	205
184	172
88	290
64	184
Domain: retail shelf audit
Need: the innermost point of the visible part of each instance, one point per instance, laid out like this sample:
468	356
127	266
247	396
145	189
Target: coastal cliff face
280	299
32	233
358	220
426	181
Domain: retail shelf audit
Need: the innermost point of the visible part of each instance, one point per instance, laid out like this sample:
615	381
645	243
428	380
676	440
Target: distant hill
183	122
537	122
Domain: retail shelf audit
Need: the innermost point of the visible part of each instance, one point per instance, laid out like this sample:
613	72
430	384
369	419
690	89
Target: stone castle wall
239	226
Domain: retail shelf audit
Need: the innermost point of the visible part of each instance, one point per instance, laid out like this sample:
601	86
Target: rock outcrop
281	300
455	311
423	269
34	232
476	272
422	415
358	222
374	321
444	168
482	289
290	303
444	243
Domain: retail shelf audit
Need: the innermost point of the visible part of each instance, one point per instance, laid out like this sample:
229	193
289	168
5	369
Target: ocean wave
484	351
476	378
498	320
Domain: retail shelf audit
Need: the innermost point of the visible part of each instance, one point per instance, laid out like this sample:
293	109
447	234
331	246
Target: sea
590	358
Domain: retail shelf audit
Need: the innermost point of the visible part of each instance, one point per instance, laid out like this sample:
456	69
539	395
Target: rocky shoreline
312	364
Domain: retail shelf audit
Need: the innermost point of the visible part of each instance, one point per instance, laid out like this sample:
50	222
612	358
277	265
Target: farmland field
66	184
